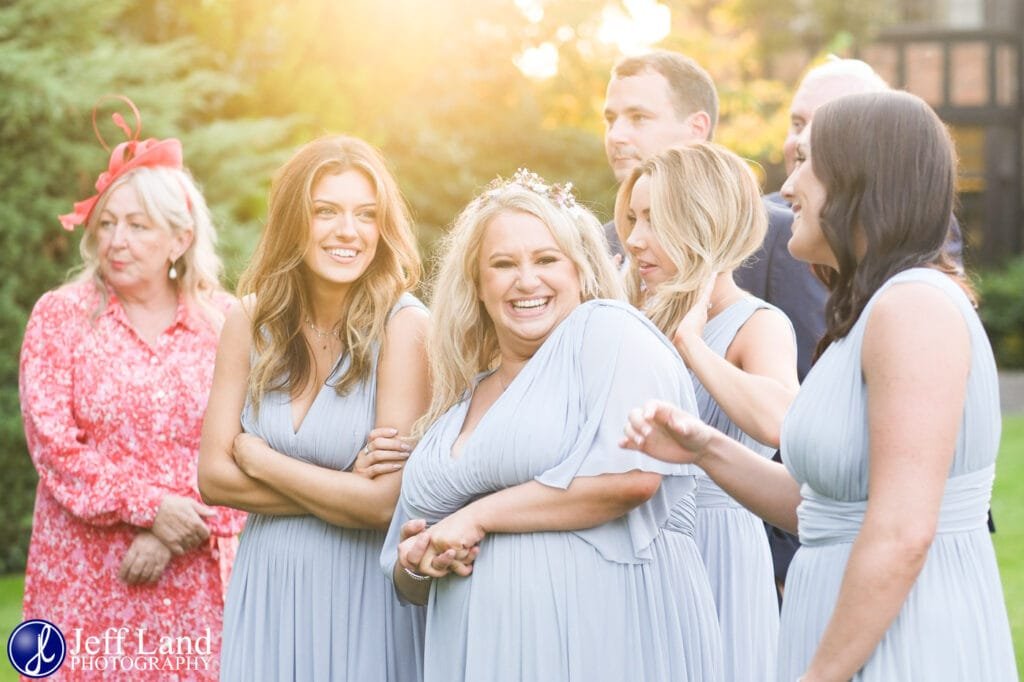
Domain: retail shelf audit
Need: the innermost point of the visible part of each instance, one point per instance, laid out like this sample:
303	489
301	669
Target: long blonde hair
462	341
173	202
706	213
277	278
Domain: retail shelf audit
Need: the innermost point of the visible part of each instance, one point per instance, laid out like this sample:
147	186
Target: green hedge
1002	311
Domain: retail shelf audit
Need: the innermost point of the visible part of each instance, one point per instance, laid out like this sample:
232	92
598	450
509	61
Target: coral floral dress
113	425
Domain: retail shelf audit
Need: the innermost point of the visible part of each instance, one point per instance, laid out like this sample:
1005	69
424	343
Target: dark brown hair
889	170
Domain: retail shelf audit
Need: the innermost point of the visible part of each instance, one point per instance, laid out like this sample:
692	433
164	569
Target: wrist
684	341
417	577
707	454
478	514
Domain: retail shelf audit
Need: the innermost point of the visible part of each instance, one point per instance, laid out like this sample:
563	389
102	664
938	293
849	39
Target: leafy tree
244	82
56	58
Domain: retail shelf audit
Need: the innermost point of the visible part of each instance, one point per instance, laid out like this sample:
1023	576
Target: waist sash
825	521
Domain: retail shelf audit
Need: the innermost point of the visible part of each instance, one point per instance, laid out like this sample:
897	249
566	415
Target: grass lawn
1007	508
11	588
1008	512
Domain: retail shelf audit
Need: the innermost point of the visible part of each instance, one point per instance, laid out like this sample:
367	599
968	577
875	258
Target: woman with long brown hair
326	345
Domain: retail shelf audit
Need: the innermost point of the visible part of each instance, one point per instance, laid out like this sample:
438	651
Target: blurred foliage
1002	312
244	82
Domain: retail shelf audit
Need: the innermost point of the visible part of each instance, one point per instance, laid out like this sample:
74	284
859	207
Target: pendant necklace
323	337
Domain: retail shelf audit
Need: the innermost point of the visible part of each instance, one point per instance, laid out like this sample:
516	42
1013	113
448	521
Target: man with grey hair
824	83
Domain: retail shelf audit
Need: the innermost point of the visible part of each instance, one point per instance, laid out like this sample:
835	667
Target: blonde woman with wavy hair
538	546
320	373
462	341
689	217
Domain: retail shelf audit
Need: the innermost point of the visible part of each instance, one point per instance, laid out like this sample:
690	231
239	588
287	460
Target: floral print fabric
113	425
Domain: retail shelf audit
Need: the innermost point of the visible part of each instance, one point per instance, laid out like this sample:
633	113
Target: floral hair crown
125	157
560	195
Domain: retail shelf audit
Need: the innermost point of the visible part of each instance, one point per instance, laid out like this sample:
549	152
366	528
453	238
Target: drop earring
173	271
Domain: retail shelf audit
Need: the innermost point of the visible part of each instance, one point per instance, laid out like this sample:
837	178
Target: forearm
340	498
756	404
223	483
587	502
759	484
880	572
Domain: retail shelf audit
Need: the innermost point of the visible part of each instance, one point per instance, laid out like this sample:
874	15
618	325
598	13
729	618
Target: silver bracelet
418	577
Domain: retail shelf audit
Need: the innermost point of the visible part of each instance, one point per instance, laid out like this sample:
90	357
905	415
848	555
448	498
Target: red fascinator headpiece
127	156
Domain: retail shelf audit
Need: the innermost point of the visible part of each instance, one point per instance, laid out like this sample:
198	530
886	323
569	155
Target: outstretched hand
666	432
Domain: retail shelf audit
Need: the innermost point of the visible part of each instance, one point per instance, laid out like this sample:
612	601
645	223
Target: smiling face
343	229
641	121
527	284
134	252
806	193
653	264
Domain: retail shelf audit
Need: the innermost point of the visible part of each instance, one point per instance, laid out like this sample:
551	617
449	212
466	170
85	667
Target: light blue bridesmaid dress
731	539
953	625
306	599
626	600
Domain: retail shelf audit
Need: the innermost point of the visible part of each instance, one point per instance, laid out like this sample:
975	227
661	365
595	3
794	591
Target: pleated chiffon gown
953	625
731	539
626	600
307	600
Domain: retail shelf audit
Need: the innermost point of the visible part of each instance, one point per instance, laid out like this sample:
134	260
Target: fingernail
393	432
406	447
645	431
396	466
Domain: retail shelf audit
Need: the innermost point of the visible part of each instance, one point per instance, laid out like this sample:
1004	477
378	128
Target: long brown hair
276	275
888	167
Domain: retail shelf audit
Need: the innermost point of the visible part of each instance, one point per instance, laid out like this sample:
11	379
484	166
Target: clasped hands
449	546
179	527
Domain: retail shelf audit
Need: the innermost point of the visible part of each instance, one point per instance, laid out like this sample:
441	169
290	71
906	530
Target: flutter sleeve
621	362
88	485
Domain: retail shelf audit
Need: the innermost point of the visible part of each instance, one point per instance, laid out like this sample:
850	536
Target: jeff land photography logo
36	648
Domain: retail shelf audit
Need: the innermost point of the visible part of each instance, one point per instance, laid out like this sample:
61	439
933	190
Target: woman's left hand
145	560
385	452
693	323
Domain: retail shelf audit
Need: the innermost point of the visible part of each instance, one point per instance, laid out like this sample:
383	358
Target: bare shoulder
913	306
913	321
766	323
767	332
409	319
237	331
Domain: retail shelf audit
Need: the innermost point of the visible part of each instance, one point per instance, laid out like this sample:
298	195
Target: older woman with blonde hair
326	345
575	575
115	371
689	217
